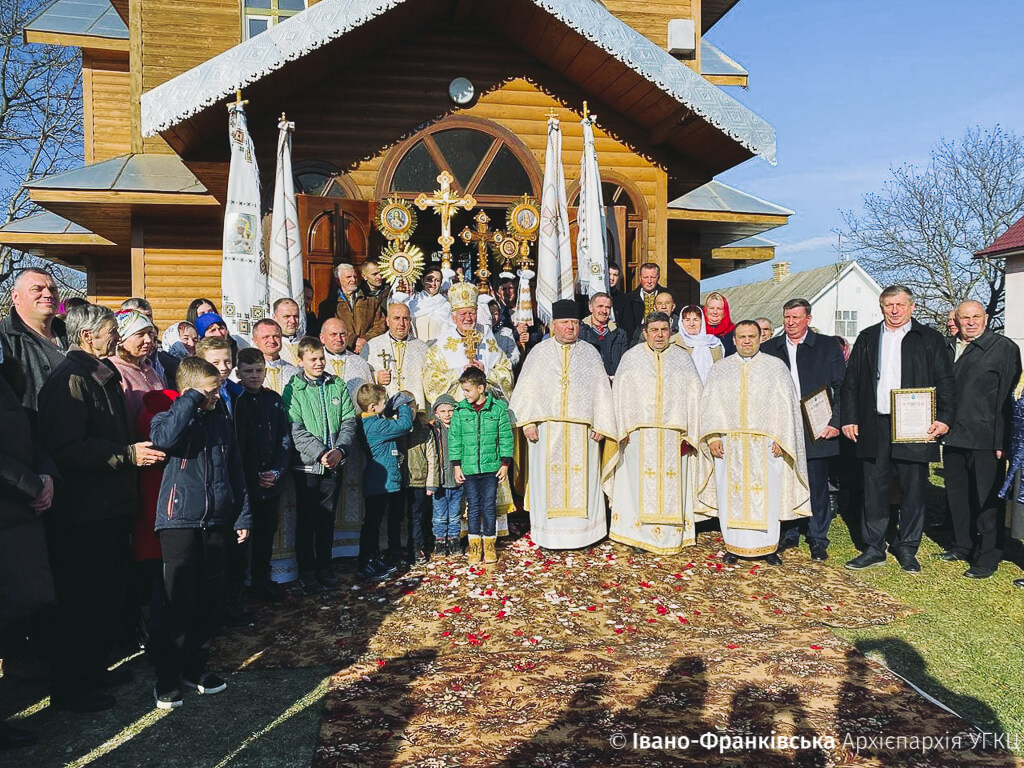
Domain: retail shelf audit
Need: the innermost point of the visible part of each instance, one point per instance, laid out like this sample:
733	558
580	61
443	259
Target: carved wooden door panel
334	230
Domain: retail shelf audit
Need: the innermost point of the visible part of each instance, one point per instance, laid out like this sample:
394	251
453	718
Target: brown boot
490	554
475	550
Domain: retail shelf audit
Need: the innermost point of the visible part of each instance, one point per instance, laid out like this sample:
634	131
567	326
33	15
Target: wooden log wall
106	94
108	280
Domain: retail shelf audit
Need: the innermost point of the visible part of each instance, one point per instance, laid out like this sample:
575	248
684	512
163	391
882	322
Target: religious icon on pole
395	219
445	202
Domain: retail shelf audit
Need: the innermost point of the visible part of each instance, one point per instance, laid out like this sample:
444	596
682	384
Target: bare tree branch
923	228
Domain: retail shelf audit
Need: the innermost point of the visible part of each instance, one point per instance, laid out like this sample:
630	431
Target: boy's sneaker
309	584
372	571
328	580
208	684
167	698
420	558
386	567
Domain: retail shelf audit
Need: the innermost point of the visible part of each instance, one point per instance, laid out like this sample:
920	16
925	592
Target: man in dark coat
26	491
615	286
598	330
34	340
986	367
814	361
897	353
83	422
640	301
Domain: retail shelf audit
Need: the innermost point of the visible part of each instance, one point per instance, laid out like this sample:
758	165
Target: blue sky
855	88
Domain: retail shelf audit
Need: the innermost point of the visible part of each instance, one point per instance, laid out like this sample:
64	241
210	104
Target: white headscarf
701	343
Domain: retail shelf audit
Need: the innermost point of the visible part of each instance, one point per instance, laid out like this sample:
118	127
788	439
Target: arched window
323	179
487	162
627	228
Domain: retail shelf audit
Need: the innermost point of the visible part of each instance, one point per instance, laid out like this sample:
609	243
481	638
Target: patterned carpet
547	659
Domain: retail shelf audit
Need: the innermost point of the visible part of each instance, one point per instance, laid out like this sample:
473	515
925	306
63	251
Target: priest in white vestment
396	358
563	404
657	394
462	343
266	337
429	308
754	465
286	313
340	361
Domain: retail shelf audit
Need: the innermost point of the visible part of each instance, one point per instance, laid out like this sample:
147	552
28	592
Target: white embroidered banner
243	270
285	268
554	254
591	248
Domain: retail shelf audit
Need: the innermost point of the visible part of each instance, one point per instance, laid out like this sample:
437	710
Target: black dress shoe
865	561
96	701
773	559
12	737
1018	583
908	563
819	552
730	559
978	572
949	556
787	544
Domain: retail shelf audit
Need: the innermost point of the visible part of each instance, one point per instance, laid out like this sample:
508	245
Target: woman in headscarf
705	348
138	376
716	313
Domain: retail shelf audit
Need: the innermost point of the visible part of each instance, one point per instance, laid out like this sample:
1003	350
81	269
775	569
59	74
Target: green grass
966	647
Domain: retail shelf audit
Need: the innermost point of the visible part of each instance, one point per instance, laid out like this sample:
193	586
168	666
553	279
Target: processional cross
445	202
482	236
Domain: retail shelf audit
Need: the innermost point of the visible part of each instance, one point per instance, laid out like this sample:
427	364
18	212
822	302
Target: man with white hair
986	368
33	337
361	314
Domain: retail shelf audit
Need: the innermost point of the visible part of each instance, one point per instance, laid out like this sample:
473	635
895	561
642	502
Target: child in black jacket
202	497
265	440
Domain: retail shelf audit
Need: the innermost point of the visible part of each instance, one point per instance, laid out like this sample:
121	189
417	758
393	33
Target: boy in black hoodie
202	497
265	440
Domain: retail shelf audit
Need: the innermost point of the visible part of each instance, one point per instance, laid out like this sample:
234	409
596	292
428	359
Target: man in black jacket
640	301
83	421
897	353
986	367
815	361
599	330
34	339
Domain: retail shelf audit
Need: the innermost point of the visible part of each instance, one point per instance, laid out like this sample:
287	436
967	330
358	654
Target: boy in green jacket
480	446
323	431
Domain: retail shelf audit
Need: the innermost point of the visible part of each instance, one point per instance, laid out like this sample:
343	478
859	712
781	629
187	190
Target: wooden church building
385	95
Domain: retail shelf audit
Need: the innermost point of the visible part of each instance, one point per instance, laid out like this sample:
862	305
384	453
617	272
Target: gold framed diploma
817	410
913	411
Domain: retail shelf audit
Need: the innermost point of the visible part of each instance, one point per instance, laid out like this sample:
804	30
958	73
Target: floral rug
597	657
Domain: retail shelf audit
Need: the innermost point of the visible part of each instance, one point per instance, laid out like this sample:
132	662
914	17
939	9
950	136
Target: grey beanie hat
444	400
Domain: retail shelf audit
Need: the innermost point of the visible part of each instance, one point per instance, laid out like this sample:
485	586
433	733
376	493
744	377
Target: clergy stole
568	457
746	463
662	481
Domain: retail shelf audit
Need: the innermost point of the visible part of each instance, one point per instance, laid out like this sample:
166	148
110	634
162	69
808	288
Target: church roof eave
221	77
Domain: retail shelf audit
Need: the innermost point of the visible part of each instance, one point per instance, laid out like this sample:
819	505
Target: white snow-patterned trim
217	79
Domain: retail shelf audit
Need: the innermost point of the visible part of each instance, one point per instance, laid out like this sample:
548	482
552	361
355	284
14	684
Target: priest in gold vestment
657	393
754	466
563	404
461	343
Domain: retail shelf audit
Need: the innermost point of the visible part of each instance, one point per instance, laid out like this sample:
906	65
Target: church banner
554	254
285	269
243	269
591	249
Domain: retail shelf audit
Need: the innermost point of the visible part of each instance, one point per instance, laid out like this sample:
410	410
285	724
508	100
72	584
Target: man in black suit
814	361
986	367
640	301
897	353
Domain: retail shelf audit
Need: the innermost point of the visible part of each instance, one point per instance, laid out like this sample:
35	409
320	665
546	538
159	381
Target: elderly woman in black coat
26	490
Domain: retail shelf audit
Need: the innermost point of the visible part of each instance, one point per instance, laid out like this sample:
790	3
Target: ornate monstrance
400	262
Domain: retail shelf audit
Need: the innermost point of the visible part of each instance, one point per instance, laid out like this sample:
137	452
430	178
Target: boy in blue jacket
382	479
202	497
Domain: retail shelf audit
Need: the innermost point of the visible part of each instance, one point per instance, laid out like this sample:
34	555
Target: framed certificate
817	410
913	411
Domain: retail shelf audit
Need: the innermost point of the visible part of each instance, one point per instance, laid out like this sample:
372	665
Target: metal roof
721	198
713	61
1010	242
127	173
95	18
765	298
44	223
218	78
752	242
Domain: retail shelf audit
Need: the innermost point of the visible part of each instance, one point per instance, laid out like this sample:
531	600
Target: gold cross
650	473
445	202
482	236
385	359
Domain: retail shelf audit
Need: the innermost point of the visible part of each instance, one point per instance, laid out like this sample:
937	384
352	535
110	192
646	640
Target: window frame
274	14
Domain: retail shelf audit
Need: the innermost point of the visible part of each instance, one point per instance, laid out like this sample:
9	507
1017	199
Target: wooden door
334	231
